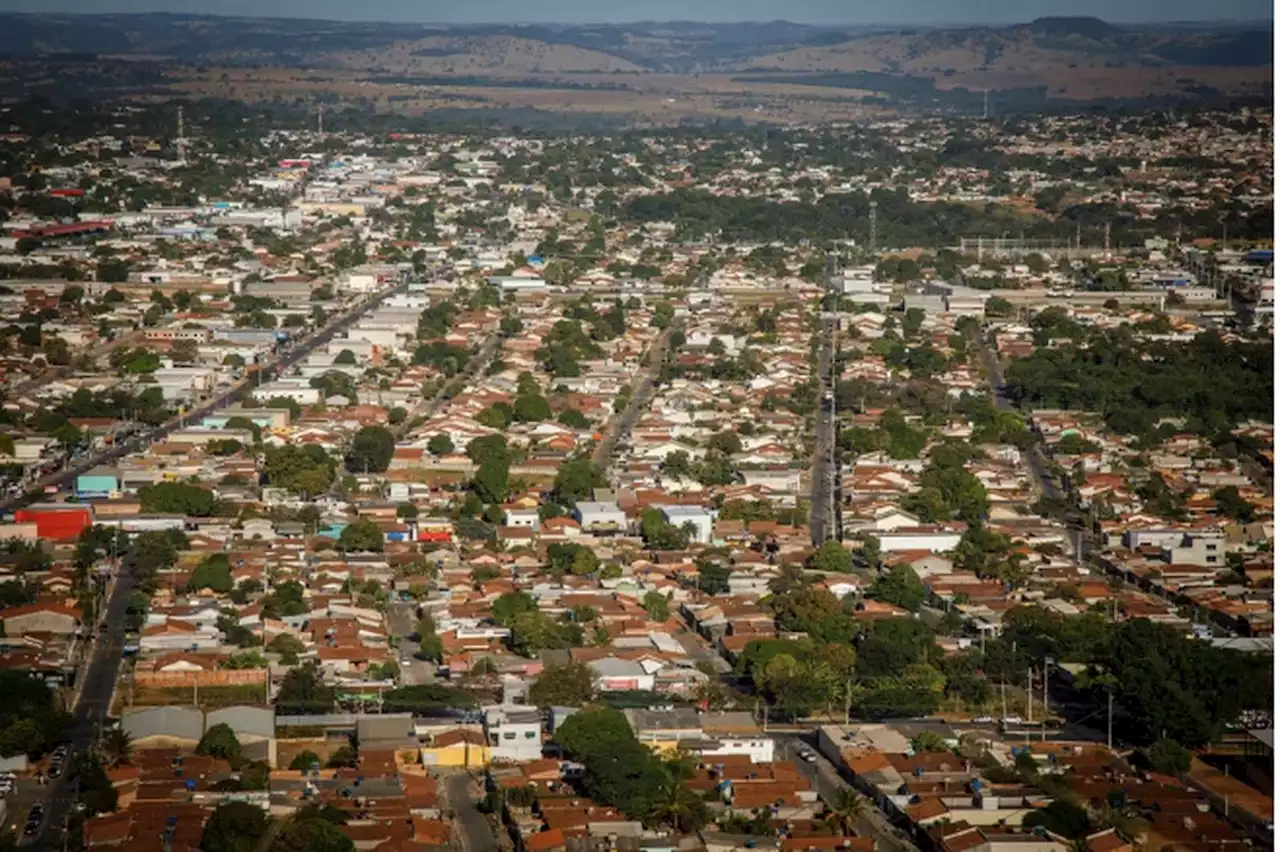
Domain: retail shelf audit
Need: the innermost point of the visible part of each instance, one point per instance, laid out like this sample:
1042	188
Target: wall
220	677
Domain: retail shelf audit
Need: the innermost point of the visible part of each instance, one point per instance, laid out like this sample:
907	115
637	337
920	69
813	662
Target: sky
622	11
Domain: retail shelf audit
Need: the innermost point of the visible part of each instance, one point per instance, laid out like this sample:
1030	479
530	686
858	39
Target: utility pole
1110	699
1107	237
1029	693
320	119
986	104
872	238
1044	725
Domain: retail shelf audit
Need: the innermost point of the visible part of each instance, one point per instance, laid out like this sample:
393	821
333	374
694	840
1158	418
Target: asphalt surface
1048	485
822	509
429	408
91	712
286	358
472	826
825	778
640	394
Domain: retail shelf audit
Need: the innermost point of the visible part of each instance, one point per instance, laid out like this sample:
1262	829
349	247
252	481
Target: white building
513	732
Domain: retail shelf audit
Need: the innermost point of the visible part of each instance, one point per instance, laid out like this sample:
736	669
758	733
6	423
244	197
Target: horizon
570	13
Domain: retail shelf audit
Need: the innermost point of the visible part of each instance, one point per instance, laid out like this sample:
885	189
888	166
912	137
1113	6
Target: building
600	517
513	732
41	617
701	519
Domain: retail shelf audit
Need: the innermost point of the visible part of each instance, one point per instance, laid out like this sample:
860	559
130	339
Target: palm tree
116	747
678	806
847	810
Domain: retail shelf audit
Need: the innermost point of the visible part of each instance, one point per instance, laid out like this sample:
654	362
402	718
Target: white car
982	720
1012	720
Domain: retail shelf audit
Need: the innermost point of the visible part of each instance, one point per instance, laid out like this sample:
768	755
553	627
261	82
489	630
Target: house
600	517
701	520
513	732
41	617
465	747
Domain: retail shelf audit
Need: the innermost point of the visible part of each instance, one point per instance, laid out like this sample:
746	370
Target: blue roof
1260	254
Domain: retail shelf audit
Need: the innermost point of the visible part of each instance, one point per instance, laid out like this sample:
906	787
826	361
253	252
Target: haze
611	11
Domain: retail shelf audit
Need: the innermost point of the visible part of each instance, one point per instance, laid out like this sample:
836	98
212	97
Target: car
31	830
982	720
1012	720
809	757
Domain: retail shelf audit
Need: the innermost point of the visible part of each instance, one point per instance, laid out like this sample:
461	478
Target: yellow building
460	747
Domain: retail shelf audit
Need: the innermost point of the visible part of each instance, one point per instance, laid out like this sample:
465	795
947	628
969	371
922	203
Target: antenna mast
986	104
320	119
182	142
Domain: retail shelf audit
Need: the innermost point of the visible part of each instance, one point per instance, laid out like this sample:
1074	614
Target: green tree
346	356
213	573
899	586
832	557
492	480
371	450
575	480
235	827
657	605
568	685
1168	757
362	535
440	445
220	741
511	604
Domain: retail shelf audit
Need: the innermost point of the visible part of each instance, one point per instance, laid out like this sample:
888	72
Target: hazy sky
614	11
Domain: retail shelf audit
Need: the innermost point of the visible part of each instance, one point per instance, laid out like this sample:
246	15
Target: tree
220	741
96	790
574	481
1168	757
113	271
346	356
371	450
116	747
831	557
657	605
488	448
213	573
848	811
178	498
288	647
531	408
363	535
492	481
568	685
304	691
899	586
440	445
235	827
509	605
311	835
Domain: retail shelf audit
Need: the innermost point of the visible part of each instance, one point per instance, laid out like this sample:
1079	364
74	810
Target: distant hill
1051	59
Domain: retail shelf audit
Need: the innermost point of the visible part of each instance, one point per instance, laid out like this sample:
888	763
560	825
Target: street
640	392
462	795
428	408
96	688
822	510
825	778
403	621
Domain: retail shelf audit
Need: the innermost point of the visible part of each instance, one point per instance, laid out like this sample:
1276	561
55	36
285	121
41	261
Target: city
895	484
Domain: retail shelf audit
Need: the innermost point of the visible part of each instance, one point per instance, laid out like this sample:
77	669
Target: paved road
640	393
431	407
96	688
1034	459
402	618
826	779
462	796
287	357
822	510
